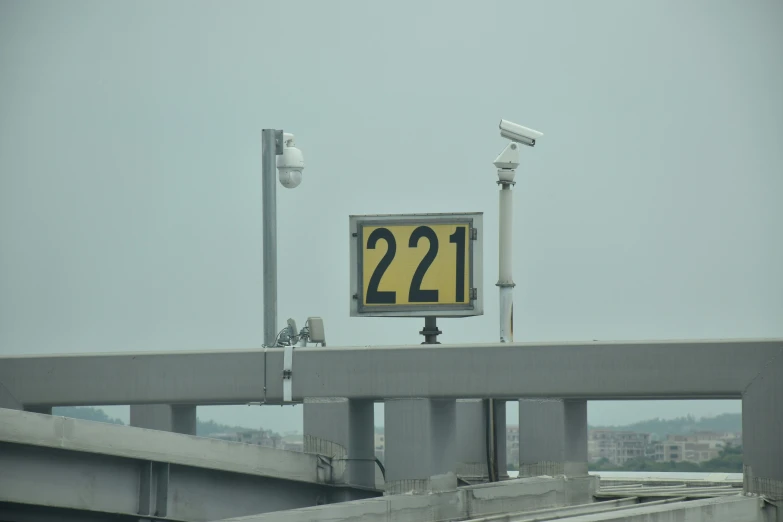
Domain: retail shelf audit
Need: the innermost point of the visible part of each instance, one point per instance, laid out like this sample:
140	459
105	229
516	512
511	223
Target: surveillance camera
290	163
518	133
290	178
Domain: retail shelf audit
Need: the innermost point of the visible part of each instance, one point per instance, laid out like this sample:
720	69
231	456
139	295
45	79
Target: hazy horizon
123	413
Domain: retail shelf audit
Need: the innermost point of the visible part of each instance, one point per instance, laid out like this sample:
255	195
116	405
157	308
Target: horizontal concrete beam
215	377
580	370
466	502
720	369
724	509
568	512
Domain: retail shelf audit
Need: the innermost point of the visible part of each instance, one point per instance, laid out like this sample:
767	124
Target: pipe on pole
269	220
505	280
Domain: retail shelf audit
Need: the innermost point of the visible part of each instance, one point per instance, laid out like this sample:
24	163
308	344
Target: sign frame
474	221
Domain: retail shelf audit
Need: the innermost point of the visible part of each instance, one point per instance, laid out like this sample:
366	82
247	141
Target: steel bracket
288	373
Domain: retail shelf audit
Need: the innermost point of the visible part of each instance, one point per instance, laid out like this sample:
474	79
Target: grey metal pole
269	220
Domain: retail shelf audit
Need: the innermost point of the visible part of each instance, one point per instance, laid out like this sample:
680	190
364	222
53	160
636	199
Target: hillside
84	413
203	428
727	422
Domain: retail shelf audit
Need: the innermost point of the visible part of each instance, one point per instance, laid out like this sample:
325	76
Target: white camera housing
316	328
509	158
290	163
518	133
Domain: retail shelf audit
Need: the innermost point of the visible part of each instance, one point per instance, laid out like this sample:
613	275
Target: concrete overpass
55	468
421	386
58	469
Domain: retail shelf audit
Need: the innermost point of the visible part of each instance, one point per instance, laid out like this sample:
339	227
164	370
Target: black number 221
416	294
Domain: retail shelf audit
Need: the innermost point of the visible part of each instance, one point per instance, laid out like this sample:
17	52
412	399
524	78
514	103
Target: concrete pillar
177	418
345	431
500	423
421	445
7	399
472	439
762	434
552	437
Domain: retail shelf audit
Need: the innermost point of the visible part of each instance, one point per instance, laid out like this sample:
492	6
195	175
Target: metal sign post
430	330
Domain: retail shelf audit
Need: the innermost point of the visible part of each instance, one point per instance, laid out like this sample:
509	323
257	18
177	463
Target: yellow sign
418	265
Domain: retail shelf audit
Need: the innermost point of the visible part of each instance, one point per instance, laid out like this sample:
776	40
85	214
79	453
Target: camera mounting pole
289	164
506	164
271	147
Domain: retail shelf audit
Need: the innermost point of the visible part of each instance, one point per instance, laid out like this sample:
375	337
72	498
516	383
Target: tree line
726	422
203	428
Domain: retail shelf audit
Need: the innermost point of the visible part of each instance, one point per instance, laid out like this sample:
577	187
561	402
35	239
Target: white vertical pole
506	310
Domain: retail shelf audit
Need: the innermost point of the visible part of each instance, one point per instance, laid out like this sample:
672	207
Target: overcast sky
130	168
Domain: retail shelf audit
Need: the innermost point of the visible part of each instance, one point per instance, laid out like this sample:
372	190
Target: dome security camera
290	163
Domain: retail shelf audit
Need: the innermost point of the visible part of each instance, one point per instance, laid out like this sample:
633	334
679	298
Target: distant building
224	436
617	447
257	437
669	451
695	447
293	442
512	444
380	446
